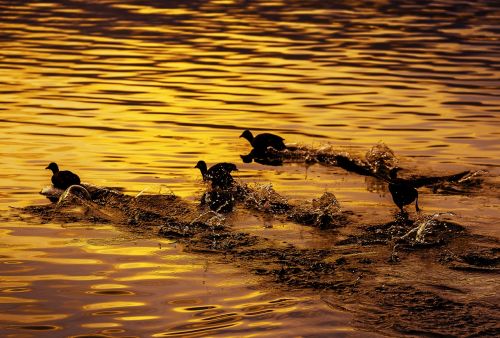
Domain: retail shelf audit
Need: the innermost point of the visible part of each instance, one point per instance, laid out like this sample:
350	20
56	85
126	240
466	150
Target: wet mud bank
404	276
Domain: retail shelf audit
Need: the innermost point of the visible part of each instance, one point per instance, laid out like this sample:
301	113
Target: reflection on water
133	93
134	280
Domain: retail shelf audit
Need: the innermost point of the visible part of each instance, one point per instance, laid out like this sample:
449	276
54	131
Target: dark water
134	93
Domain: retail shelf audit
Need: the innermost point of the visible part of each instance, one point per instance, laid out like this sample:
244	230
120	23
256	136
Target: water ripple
133	93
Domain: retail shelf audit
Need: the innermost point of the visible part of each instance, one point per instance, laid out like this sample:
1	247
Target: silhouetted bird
404	191
219	174
62	179
262	141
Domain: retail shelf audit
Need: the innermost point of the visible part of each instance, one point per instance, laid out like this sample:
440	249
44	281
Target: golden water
133	93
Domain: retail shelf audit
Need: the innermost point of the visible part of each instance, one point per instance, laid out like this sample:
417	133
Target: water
133	93
83	280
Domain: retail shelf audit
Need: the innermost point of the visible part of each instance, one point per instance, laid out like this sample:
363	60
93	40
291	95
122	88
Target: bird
403	191
62	179
219	174
263	141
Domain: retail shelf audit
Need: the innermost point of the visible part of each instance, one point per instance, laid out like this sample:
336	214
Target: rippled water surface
132	94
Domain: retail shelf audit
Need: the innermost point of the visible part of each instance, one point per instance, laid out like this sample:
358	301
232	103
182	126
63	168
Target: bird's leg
402	216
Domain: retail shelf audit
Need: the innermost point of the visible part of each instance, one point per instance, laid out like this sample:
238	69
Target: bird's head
247	134
247	158
53	166
201	165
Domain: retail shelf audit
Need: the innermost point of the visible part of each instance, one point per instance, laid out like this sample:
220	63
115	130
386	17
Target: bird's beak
47	168
246	158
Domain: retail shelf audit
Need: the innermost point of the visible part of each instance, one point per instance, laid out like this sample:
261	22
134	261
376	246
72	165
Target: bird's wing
270	137
425	180
222	168
228	166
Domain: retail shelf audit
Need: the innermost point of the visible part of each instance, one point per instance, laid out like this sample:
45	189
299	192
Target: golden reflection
265	323
132	95
152	10
24	252
35	256
100	325
130	251
13	285
152	276
70	10
44	4
138	318
111	305
109	286
52	277
136	265
15	300
31	318
245	296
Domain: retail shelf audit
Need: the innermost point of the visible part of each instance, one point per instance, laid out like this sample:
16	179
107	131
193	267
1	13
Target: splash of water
380	158
160	190
72	191
327	203
265	198
423	226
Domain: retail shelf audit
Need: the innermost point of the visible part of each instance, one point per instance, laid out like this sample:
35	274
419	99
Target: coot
62	179
262	141
219	174
403	191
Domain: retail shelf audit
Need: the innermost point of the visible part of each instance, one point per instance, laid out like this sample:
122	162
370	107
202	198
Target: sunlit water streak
135	286
134	93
